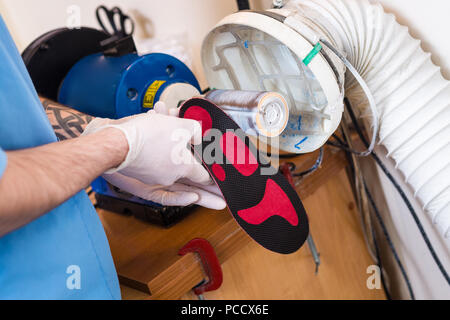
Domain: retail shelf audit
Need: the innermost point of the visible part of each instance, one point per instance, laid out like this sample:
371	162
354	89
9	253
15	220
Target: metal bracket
210	263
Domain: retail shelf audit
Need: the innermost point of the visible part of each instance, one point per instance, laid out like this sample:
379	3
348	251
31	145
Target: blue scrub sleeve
3	161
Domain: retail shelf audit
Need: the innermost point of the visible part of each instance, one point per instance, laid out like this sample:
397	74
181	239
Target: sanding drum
256	112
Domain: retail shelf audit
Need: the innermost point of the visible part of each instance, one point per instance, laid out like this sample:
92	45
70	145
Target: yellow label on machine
149	98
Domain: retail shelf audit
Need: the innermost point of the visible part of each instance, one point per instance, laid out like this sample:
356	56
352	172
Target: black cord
313	168
334	135
380	265
243	5
206	90
389	241
287	155
344	146
375	243
400	191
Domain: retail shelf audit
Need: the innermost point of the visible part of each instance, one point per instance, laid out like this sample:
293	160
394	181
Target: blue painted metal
100	186
100	86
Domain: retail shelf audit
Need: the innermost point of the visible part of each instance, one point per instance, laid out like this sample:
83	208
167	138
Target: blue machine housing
117	87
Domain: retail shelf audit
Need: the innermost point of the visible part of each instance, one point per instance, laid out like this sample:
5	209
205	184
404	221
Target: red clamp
286	170
210	264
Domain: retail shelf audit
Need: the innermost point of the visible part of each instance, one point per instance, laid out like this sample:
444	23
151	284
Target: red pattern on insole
201	115
274	202
218	172
238	154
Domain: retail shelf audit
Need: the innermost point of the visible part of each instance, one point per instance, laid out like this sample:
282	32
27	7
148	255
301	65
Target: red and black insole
264	205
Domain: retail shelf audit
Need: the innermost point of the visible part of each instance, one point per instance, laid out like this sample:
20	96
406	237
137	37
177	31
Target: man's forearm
39	179
66	122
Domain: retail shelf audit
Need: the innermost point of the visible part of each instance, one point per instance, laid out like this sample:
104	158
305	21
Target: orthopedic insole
265	206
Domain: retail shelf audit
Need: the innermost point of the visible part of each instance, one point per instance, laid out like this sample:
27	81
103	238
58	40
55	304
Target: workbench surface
146	255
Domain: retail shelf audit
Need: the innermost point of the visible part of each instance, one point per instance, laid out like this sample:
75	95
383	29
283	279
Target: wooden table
146	256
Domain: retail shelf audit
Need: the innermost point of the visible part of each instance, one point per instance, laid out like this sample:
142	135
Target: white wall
190	18
428	20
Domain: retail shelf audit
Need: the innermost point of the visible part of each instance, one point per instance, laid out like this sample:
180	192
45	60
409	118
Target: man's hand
159	165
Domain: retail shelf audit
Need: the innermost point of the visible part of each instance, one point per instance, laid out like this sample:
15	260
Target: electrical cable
206	90
377	255
362	201
342	145
380	265
368	93
334	135
316	166
243	5
401	192
389	241
288	155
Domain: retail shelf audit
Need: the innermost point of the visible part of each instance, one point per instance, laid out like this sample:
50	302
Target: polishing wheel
62	63
50	57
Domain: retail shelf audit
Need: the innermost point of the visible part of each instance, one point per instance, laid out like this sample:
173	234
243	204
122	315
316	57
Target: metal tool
113	16
314	252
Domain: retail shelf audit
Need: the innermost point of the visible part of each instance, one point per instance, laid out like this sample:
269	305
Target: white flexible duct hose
411	95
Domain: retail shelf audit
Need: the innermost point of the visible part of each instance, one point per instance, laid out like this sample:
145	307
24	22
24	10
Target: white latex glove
178	194
159	166
161	108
